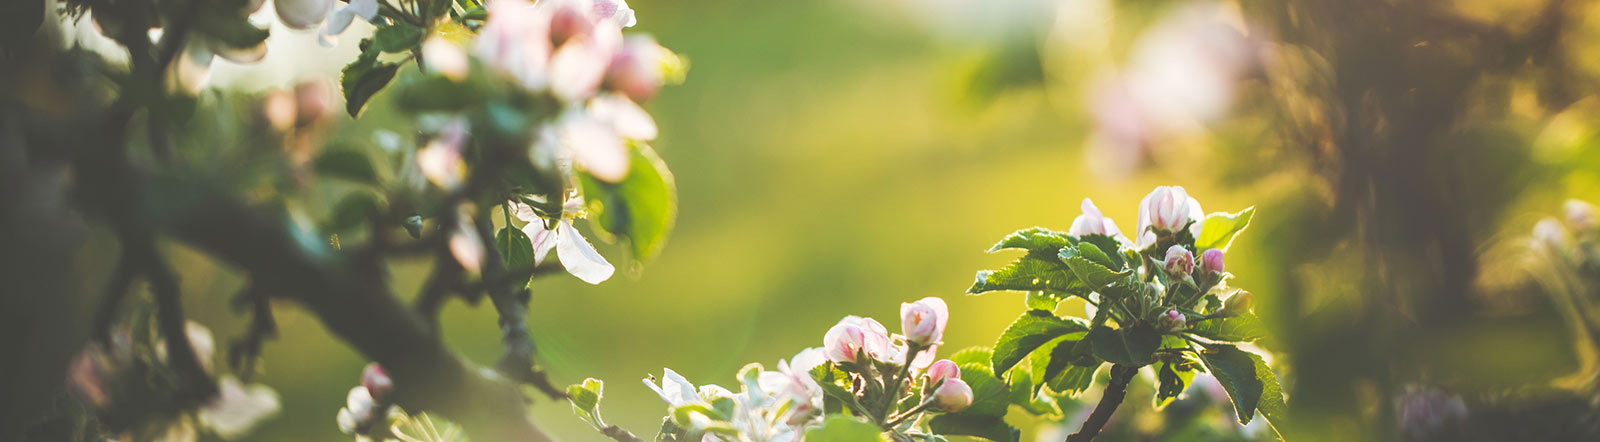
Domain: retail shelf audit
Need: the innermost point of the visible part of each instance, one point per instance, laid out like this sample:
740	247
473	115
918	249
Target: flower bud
1241	302
1211	261
923	321
1092	222
1179	261
377	382
1170	321
638	69
942	370
1580	215
1168	208
953	396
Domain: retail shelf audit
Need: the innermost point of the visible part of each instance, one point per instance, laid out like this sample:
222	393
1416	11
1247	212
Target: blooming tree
520	119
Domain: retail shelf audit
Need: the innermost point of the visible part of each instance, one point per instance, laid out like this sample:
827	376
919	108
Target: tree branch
1121	375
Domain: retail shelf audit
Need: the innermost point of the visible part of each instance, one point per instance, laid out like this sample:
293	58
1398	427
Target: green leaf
348	164
585	400
1171	379
1090	274
1027	333
963	424
1244	327
642	207
835	383
1030	273
515	248
439	94
990	395
1025	389
364	77
972	355
398	37
1131	346
1093	253
1249	382
1046	301
1065	365
1035	239
1110	246
842	427
1218	229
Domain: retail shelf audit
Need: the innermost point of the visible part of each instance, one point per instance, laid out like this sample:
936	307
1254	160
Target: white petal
524	213
579	257
596	148
466	247
238	407
338	21
577	67
366	9
626	117
302	14
543	240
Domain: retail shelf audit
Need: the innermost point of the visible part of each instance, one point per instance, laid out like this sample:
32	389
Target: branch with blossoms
527	121
1148	302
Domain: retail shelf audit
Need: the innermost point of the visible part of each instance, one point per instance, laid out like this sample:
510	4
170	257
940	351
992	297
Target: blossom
638	68
1580	215
1091	222
793	381
942	370
1211	261
1179	262
339	20
445	58
564	46
1241	302
576	254
237	407
466	246
377	381
923	322
953	396
674	389
1170	321
1167	209
855	335
440	161
1548	234
302	14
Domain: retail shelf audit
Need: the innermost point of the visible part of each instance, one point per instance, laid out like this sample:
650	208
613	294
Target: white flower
576	254
855	334
445	58
466	246
1167	209
615	10
302	14
793	381
674	389
340	19
1092	222
440	161
237	407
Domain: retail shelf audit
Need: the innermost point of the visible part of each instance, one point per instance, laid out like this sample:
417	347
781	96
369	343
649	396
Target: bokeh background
838	157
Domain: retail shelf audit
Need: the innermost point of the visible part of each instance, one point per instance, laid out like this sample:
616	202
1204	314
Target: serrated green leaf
1093	253
362	79
1030	273
1035	239
990	395
1244	327
1218	229
842	427
1089	273
963	424
1065	366
642	207
1249	382
1046	301
1110	247
1131	346
348	164
1025	389
1027	333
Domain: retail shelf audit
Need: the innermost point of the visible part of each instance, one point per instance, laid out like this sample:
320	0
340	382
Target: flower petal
579	257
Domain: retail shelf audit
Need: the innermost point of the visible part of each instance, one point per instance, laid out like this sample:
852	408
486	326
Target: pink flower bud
377	382
1211	261
923	321
637	69
1179	261
953	396
942	370
1170	321
1580	215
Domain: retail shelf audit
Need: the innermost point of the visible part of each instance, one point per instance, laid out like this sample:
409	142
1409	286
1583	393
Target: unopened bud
953	396
1179	261
1211	261
1170	321
377	382
1241	302
942	370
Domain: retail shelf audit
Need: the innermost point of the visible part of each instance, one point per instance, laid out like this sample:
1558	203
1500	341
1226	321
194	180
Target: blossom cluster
860	365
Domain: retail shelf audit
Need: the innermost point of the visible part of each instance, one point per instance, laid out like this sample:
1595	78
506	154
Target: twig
620	435
1121	375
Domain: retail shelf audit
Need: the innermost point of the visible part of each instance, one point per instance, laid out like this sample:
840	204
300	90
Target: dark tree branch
620	435
243	353
1121	375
